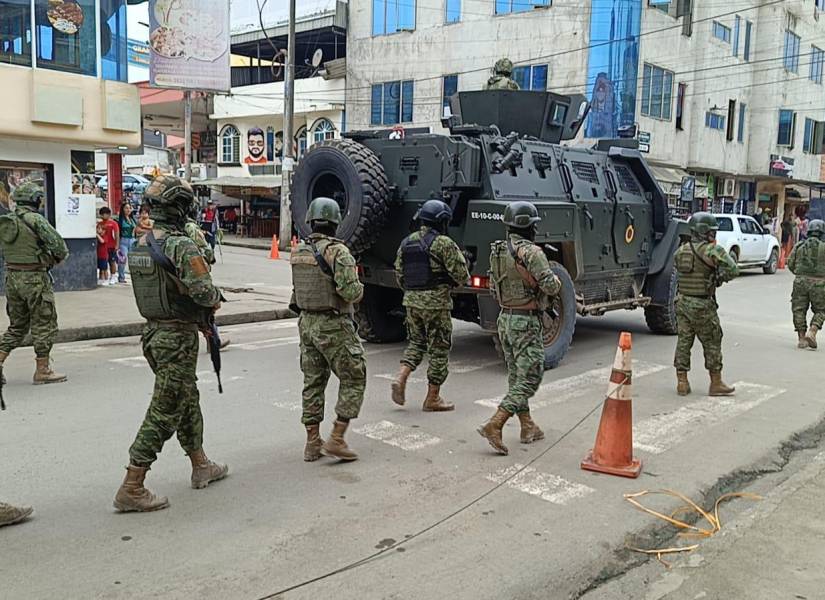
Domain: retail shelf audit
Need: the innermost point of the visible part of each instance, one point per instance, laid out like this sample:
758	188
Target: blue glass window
746	52
504	7
808	141
450	87
391	103
736	26
16	32
453	11
270	144
391	16
531	77
790	57
714	121
657	92
375	106
784	136
721	32
817	61
113	43
740	136
71	43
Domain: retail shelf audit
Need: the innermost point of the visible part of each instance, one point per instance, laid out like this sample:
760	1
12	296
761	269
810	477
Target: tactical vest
810	258
160	295
417	266
695	277
315	290
511	288
19	242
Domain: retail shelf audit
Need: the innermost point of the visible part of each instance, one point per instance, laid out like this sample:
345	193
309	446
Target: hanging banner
189	44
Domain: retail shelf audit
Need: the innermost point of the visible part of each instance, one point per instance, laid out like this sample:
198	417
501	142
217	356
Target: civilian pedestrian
210	223
127	225
144	223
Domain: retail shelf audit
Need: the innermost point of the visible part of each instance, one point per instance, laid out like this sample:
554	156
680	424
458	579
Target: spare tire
351	174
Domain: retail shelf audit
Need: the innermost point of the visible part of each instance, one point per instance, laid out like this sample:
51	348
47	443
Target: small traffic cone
273	250
782	258
613	451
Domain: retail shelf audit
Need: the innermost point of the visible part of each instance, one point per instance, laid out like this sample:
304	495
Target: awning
261	181
670	180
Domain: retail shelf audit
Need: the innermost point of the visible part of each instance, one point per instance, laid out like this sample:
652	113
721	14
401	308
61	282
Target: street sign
644	137
644	147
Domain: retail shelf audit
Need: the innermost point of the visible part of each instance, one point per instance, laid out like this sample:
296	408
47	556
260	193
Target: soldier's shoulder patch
198	265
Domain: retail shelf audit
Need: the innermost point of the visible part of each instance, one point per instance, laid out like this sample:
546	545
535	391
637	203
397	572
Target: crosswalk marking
546	486
458	368
662	432
406	438
293	405
268	343
562	390
130	361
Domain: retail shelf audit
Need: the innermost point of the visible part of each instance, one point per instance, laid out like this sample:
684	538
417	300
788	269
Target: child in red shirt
108	238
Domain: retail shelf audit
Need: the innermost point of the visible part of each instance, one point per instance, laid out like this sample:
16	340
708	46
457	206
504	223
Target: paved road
548	533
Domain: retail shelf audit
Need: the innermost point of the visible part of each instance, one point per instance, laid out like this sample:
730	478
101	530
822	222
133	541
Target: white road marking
292	405
546	486
382	350
459	368
410	379
79	349
662	432
268	343
562	390
130	361
406	438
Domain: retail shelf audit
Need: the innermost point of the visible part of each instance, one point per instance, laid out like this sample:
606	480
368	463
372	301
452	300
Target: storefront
685	193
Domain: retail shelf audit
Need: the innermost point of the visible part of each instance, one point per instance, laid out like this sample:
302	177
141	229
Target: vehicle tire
558	333
350	174
734	254
380	315
662	319
771	266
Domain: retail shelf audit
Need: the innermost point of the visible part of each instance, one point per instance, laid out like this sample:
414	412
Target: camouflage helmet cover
816	228
29	193
504	66
324	209
521	215
170	199
702	223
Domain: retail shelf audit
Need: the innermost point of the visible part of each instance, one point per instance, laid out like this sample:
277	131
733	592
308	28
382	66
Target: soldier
175	294
522	282
194	232
807	262
31	247
501	77
701	266
325	287
428	264
9	515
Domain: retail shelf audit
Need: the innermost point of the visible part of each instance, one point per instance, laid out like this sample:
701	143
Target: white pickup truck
748	243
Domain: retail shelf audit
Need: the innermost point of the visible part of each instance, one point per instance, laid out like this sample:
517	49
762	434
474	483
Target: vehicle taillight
479	282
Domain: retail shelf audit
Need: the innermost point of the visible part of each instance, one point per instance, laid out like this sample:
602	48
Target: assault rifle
2	383
550	311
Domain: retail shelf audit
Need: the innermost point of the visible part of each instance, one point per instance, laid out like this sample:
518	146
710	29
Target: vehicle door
761	241
632	217
750	240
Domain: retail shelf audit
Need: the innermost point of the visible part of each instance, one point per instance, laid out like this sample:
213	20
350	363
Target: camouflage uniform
195	233
501	79
807	262
429	326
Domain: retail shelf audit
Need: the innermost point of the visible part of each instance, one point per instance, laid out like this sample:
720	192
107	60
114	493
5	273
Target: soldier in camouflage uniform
523	284
195	233
701	266
325	287
9	515
428	264
31	246
501	77
175	294
807	262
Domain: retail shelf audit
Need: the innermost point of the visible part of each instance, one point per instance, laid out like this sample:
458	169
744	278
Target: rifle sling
319	258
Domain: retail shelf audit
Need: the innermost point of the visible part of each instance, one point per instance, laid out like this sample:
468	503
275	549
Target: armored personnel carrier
605	223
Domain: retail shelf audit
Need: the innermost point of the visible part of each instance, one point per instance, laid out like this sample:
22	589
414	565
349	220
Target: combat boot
803	341
336	446
682	383
399	386
530	432
434	402
312	450
204	471
44	374
810	337
719	387
133	497
9	515
3	357
492	430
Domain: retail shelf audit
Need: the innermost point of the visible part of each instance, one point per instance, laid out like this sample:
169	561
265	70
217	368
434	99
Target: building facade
66	96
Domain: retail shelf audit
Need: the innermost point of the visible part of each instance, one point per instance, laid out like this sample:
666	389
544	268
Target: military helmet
28	194
168	189
521	215
702	223
504	66
434	212
816	228
324	209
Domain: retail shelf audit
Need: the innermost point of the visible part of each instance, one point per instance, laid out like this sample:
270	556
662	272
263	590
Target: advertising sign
781	166
189	44
138	53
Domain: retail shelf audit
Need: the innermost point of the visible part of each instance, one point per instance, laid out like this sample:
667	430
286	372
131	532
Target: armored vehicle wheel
380	315
662	318
558	333
350	174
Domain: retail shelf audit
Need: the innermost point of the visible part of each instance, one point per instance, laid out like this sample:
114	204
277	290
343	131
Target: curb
244	245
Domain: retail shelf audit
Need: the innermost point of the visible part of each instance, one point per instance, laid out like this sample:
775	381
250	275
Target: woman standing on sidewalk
127	239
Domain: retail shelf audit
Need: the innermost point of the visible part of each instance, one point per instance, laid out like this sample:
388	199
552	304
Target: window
790	58
453	11
113	47
820	4
817	61
323	130
531	77
270	144
662	5
746	51
724	223
808	140
15	33
787	120
731	119
721	32
70	48
392	16
680	105
504	7
736	26
657	92
392	103
301	142
449	87
230	145
740	135
748	225
714	121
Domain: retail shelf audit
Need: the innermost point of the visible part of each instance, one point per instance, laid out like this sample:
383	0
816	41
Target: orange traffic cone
273	250
782	258
613	452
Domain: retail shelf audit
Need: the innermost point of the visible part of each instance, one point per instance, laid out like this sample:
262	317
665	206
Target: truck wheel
662	319
350	174
558	333
380	315
773	261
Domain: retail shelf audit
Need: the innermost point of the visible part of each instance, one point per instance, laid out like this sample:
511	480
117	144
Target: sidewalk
245	242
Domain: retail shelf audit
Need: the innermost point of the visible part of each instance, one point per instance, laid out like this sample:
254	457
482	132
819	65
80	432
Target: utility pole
187	133
287	163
